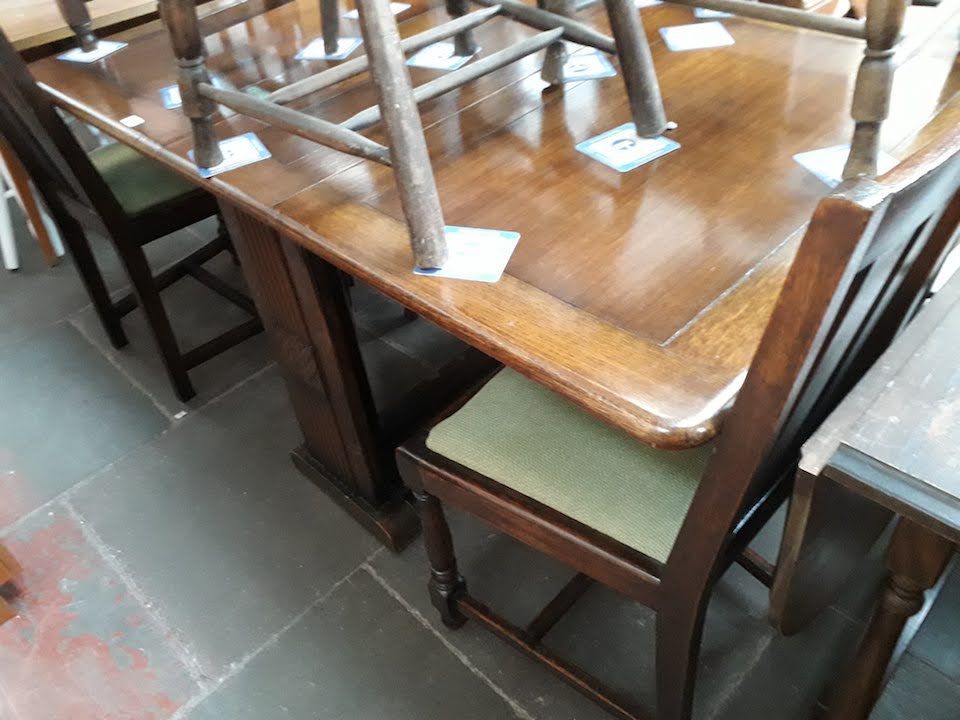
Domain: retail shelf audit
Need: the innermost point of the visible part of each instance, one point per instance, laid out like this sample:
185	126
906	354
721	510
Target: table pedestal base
394	523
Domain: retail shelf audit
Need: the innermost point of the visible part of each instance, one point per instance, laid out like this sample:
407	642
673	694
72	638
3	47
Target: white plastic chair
33	208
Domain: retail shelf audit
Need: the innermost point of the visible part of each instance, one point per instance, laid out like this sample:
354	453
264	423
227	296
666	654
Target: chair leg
679	633
20	184
445	581
76	241
148	297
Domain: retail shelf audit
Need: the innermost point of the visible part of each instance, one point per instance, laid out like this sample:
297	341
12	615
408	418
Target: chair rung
222	342
784	15
571	674
355	67
574	31
298	123
468	73
558	607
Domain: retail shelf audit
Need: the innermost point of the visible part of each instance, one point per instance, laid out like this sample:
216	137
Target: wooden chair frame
79	199
849	290
397	106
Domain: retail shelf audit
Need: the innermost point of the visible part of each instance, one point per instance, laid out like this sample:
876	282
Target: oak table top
640	296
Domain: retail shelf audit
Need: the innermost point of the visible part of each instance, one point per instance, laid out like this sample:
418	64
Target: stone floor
178	567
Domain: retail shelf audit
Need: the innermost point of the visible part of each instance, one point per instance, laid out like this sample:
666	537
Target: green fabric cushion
139	182
524	436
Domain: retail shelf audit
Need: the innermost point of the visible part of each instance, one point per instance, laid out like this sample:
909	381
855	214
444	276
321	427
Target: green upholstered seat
525	437
139	182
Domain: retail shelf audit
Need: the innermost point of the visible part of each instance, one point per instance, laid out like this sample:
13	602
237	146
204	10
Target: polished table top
640	296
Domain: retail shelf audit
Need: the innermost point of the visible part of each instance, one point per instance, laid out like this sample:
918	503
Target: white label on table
132	121
439	56
622	150
588	65
395	7
695	37
170	95
475	254
237	152
316	50
640	4
103	48
827	163
701	13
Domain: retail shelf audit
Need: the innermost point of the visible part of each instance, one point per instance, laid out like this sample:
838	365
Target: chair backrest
48	149
859	273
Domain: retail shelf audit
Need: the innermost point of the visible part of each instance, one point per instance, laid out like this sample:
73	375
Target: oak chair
398	100
661	527
129	199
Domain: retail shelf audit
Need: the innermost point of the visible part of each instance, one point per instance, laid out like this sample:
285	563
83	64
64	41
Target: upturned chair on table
126	197
661	527
398	100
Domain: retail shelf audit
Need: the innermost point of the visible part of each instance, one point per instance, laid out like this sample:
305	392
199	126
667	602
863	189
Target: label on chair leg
827	163
475	254
439	56
587	65
103	48
316	50
237	152
695	37
395	7
623	150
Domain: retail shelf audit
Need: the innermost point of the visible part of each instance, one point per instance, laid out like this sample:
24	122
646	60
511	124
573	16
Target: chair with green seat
659	526
126	197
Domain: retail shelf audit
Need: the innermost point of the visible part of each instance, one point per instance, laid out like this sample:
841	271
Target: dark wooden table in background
896	441
639	296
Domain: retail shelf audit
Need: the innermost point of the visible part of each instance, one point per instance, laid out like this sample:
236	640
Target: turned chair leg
330	25
445	581
463	43
556	56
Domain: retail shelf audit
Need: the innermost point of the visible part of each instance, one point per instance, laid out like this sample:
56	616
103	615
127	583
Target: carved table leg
916	560
445	581
302	302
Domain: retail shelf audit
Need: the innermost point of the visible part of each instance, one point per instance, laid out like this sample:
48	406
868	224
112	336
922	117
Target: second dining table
638	296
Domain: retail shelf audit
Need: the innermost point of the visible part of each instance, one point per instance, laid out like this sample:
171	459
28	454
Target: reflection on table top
640	296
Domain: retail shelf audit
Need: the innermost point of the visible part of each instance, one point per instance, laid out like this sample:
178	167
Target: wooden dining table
638	296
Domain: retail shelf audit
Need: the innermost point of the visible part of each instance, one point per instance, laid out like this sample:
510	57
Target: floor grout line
79	485
518	710
236	667
180	648
111	357
236	386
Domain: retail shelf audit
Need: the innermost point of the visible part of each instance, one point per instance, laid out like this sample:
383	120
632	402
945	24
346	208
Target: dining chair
128	198
397	100
15	184
660	526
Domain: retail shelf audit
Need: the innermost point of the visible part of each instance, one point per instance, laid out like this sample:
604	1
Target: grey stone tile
66	413
357	655
743	660
918	692
82	645
36	296
197	314
937	642
516	582
218	527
